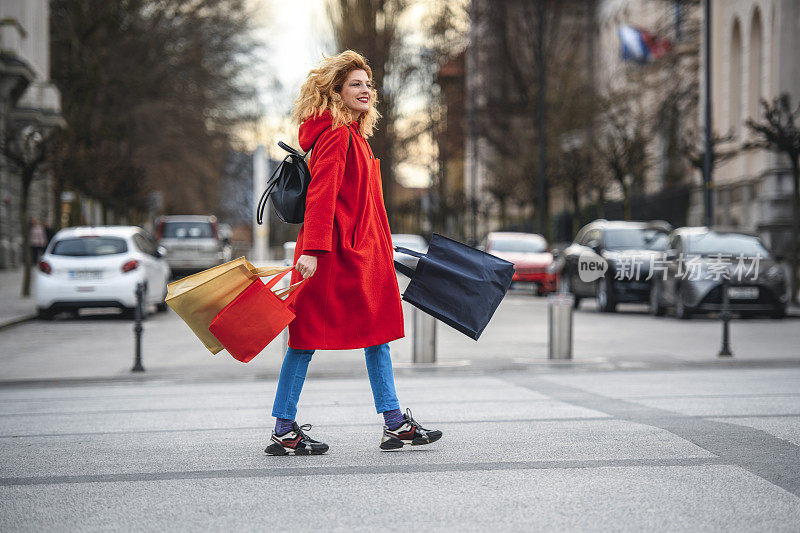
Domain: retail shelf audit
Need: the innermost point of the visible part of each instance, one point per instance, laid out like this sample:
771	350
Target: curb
8	322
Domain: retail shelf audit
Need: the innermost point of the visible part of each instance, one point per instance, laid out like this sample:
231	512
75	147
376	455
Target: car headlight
775	273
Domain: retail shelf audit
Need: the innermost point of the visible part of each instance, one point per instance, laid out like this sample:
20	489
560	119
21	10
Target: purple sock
282	425
393	419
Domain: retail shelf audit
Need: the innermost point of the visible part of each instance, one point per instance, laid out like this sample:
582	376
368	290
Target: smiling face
356	92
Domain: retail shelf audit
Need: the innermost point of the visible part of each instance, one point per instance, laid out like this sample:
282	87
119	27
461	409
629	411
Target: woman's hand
306	265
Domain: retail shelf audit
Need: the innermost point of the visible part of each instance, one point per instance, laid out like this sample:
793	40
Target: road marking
768	457
357	470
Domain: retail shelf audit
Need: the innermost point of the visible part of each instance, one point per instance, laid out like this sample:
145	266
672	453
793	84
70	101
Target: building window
735	86
754	86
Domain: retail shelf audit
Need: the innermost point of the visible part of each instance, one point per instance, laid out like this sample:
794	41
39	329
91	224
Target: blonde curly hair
320	92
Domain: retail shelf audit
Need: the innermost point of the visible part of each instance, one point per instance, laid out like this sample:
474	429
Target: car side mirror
671	255
594	245
161	252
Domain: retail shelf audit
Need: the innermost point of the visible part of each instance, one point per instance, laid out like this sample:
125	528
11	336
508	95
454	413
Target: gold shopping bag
198	298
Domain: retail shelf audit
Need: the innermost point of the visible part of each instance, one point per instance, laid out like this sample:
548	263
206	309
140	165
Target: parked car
531	257
627	248
696	262
412	242
100	266
193	242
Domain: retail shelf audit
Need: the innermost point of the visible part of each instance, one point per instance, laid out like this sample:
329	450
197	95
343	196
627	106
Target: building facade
29	106
755	54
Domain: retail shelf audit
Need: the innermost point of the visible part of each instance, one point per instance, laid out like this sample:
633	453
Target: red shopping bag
254	318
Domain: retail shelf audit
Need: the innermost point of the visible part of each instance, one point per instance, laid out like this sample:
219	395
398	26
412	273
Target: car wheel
605	296
45	314
656	307
682	311
161	306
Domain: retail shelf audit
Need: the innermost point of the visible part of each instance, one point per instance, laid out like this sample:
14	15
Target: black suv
611	261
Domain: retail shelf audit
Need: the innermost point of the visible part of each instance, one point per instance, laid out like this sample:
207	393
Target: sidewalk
15	308
688	450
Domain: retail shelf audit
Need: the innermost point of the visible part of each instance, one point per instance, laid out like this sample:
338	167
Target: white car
100	266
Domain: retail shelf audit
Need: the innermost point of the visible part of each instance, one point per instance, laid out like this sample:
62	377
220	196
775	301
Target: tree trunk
576	208
27	177
795	227
601	202
626	201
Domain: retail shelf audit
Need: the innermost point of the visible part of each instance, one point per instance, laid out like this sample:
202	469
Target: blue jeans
293	375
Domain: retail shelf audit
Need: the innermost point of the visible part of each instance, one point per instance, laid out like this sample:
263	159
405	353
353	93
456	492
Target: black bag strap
273	179
404	269
408	251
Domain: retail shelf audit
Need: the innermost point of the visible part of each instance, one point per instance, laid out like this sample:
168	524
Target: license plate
85	274
743	293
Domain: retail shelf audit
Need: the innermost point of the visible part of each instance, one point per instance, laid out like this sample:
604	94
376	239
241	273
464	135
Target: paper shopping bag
198	298
253	319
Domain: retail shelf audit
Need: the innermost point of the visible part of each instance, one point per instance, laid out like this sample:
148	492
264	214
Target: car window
733	244
89	246
151	242
591	235
635	239
188	230
144	244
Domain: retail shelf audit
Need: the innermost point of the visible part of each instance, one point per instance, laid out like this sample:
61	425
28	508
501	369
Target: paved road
100	346
667	450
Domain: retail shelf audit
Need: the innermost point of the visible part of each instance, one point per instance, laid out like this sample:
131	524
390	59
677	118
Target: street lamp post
707	157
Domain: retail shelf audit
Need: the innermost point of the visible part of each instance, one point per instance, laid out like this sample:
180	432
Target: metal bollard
559	315
424	341
725	349
137	327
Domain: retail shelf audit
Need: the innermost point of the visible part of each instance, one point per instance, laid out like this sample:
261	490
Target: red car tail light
44	266
133	264
160	228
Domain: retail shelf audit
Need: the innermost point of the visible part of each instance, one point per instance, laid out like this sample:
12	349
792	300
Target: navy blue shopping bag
457	284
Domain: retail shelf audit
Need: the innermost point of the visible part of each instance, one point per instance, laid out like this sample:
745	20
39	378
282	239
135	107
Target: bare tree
26	149
622	146
370	28
693	149
779	131
152	92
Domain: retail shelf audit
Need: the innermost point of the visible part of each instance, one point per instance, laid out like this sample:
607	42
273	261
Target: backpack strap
349	139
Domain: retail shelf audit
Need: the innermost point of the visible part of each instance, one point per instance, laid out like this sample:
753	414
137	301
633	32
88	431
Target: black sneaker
409	432
295	442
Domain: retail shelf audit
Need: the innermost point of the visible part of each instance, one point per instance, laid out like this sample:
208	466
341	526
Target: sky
293	36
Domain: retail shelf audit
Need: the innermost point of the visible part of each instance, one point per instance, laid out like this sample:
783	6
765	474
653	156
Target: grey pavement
100	345
711	449
645	429
14	308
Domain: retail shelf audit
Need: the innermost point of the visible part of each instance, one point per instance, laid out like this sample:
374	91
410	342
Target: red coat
352	301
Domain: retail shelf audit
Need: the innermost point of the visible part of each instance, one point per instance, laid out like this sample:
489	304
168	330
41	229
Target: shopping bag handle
271	283
408	251
404	269
263	272
289	294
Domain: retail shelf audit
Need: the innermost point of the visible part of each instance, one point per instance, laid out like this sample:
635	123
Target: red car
530	254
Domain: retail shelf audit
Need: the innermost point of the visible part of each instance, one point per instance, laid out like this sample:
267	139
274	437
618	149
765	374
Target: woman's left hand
306	265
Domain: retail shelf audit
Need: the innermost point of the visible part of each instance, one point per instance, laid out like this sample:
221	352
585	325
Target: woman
344	249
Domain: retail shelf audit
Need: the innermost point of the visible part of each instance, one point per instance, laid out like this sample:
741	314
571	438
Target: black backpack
288	185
